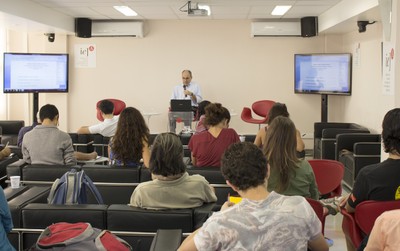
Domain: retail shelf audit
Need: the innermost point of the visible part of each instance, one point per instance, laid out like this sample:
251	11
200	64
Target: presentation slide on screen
323	74
35	73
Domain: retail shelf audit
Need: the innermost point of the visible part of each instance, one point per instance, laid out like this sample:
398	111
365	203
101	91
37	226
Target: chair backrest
367	212
119	105
319	211
328	175
262	107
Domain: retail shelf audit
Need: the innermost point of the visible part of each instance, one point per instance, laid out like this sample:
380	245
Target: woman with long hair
171	187
130	142
288	174
278	109
208	146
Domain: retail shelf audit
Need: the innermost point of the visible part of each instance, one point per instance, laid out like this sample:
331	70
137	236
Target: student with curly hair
262	220
171	187
130	142
208	146
289	175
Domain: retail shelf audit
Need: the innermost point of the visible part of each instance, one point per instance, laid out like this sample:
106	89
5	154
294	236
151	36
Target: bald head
186	77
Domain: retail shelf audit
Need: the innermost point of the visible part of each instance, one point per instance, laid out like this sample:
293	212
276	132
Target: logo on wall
85	56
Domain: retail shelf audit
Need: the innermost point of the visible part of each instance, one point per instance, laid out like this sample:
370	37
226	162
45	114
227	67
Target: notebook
181	105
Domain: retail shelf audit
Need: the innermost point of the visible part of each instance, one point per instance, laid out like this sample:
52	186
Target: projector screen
32	72
322	73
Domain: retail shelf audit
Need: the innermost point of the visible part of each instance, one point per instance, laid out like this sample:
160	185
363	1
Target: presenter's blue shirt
6	223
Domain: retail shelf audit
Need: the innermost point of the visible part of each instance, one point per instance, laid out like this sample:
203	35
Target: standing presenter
186	90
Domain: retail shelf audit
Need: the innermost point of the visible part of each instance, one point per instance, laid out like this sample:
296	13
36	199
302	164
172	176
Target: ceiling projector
195	10
198	12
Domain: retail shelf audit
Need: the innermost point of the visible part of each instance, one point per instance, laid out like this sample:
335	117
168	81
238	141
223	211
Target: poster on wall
387	69
85	56
357	56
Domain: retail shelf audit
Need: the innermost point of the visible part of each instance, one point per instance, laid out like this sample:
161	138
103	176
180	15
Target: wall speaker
309	26
83	27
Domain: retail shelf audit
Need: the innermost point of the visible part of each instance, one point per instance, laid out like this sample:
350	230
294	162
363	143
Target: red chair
319	211
260	108
359	224
328	175
119	106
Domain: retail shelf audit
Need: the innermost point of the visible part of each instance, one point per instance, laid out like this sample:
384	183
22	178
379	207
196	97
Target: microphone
184	88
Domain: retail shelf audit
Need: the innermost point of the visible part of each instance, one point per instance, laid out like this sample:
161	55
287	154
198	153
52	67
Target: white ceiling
170	9
58	15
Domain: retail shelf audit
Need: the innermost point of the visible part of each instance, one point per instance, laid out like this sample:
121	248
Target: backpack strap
93	189
53	190
74	193
107	241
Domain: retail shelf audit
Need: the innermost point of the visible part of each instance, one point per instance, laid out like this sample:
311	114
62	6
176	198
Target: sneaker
332	204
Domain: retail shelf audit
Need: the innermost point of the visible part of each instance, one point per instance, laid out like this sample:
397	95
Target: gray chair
355	151
325	137
9	131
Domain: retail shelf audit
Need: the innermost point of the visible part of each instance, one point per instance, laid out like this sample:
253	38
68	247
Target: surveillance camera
50	37
362	25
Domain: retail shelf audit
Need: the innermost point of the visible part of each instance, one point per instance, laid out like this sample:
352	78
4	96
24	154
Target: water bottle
179	126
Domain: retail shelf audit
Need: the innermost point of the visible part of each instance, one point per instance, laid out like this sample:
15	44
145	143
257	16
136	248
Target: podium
186	117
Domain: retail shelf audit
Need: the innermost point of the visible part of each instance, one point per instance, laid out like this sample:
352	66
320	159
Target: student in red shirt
208	146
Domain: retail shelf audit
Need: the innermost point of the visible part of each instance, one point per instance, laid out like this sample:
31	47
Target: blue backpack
72	188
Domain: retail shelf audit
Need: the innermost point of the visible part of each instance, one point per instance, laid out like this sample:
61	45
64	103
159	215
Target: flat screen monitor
322	73
35	73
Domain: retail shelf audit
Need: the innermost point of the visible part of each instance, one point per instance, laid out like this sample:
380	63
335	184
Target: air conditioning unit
275	29
102	28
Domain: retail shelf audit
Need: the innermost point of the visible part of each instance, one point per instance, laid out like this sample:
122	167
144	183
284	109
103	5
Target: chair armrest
167	240
350	228
367	149
201	214
348	140
15	169
319	126
332	132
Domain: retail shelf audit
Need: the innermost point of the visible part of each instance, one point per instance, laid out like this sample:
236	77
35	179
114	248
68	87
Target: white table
99	160
148	115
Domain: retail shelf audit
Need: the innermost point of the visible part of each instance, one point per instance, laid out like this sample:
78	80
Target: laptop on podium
181	105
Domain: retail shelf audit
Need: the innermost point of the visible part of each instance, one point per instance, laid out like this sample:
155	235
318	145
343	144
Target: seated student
171	187
26	129
208	146
385	233
106	128
46	144
279	109
262	220
130	142
6	223
289	175
378	181
201	113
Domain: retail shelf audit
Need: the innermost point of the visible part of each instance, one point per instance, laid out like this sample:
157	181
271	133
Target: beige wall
231	67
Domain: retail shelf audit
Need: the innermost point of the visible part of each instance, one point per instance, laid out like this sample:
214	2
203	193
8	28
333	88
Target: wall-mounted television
35	73
322	73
